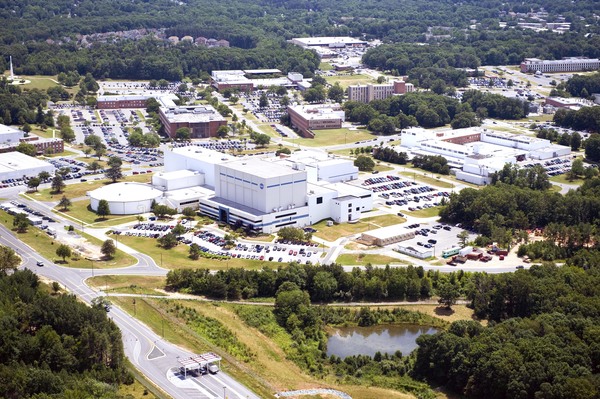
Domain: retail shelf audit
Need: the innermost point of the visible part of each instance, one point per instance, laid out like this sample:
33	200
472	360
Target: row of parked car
377	180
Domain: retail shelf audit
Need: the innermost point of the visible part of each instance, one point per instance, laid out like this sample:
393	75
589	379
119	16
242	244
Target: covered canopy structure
198	362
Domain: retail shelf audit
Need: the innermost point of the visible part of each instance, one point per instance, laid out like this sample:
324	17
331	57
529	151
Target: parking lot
435	236
214	243
404	194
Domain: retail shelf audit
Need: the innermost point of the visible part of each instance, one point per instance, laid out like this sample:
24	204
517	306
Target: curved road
154	357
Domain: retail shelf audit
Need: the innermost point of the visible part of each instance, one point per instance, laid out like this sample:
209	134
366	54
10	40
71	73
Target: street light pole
92	268
224	393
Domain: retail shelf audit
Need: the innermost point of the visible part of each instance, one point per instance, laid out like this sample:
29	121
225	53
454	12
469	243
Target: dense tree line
534	178
432	163
55	346
322	283
388	154
585	118
486	47
583	85
252	20
152	59
429	110
523	208
544	345
19	107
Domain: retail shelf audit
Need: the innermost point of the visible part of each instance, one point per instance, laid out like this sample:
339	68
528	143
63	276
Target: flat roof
388	231
261	71
192	114
261	167
14	161
126	97
189	193
348	189
4	129
327	40
177	174
203	154
319	111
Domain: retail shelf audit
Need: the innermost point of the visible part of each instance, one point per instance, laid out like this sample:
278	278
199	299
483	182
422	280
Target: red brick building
306	118
202	120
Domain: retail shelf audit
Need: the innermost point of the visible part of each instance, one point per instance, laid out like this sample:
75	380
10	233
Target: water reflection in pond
348	341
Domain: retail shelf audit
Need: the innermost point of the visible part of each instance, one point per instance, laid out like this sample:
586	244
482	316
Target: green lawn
80	189
419	176
362	259
330	137
332	233
46	246
563	179
128	284
347	80
325	66
177	258
65	153
425	213
80	212
39	82
382	168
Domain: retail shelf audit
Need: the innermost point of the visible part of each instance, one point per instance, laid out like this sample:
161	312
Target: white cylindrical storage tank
126	198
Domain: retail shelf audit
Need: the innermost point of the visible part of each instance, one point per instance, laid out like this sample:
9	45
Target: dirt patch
82	246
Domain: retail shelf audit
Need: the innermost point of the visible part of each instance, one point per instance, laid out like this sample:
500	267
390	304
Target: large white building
330	42
261	194
15	165
477	153
10	136
571	64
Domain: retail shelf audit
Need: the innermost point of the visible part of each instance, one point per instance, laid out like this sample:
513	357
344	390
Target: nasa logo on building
262	186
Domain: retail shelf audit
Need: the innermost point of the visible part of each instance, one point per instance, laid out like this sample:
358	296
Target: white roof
319	111
192	114
177	174
203	154
345	189
261	168
14	161
126	192
327	40
4	129
261	71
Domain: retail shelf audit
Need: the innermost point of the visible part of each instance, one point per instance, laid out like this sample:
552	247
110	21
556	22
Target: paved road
154	357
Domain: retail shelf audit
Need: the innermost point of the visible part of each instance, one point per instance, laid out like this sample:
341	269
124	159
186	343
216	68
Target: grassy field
382	167
456	313
336	231
80	212
65	153
39	82
177	258
154	314
347	80
420	176
268	371
362	259
80	189
330	137
563	179
46	247
425	213
325	66
128	284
